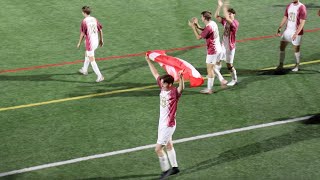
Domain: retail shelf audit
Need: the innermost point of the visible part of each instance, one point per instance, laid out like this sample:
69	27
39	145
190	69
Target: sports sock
217	72
234	74
172	157
210	83
164	163
297	55
95	68
86	64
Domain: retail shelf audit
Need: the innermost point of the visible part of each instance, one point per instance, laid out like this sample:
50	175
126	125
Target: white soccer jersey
168	106
90	26
295	13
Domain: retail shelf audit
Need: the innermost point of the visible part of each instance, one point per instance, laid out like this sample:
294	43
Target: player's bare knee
91	58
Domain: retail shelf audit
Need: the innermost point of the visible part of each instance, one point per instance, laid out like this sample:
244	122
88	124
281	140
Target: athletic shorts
91	53
165	134
287	37
227	55
213	58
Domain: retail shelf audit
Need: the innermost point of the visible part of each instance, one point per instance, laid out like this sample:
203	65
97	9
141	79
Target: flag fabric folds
173	65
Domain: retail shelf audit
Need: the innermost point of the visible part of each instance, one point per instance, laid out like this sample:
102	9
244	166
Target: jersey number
292	17
93	29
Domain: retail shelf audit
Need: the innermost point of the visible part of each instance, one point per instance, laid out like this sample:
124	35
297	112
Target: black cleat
165	174
174	170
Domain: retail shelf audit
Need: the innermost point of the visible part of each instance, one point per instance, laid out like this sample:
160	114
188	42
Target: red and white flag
173	65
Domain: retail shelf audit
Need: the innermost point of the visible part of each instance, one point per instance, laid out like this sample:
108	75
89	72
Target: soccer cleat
279	68
206	91
174	170
165	174
83	72
232	83
99	79
295	69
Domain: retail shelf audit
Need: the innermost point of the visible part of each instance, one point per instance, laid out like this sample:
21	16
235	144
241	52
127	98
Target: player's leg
283	45
164	135
218	66
172	158
231	68
285	38
86	63
210	80
296	46
94	66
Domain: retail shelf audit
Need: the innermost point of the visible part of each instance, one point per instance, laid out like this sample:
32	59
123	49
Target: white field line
34	168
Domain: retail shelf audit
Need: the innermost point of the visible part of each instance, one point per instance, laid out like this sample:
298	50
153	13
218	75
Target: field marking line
117	92
135	54
139	148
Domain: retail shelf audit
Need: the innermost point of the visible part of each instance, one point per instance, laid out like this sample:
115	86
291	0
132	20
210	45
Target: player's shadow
305	132
142	176
124	90
40	77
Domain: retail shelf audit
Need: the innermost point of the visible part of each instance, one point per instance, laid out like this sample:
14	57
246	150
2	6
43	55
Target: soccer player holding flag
230	25
295	18
169	98
91	30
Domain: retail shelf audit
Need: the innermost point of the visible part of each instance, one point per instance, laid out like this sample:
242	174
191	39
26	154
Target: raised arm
181	82
283	22
226	13
194	29
216	14
152	68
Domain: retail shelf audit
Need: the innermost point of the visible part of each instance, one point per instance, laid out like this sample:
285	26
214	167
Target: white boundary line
34	168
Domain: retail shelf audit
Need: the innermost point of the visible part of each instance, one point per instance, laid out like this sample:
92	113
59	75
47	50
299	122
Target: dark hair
231	10
207	15
167	79
86	10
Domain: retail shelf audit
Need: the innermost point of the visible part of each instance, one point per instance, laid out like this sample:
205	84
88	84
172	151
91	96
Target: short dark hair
207	15
167	79
231	10
86	10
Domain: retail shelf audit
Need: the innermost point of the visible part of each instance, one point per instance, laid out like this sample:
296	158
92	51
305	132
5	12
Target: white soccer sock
217	72
218	67
164	163
172	157
234	74
86	64
210	83
282	56
297	54
95	68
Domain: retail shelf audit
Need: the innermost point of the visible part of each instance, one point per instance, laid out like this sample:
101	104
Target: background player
230	25
91	29
294	17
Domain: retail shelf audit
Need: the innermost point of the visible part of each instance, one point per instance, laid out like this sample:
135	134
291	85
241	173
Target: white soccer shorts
227	55
287	36
165	134
212	59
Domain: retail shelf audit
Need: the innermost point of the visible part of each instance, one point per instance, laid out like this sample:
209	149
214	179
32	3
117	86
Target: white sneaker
232	83
83	72
99	79
206	91
295	69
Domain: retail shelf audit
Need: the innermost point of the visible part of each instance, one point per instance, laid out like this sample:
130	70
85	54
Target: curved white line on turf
71	161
